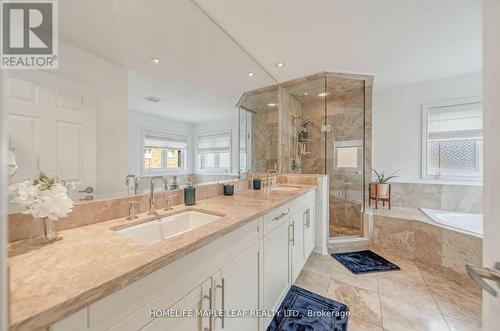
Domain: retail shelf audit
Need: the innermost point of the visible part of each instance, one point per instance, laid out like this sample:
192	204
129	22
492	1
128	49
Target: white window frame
215	171
165	135
426	175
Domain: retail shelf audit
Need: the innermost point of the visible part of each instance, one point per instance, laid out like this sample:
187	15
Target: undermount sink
285	188
163	228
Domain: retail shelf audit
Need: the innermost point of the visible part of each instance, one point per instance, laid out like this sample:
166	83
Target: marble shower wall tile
85	213
460	198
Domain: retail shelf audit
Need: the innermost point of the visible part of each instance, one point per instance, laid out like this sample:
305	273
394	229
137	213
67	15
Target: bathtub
471	223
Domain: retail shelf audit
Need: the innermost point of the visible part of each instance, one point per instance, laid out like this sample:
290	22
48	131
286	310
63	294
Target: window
163	153
214	152
348	154
245	140
452	147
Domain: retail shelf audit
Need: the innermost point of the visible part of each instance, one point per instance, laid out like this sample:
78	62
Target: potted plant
380	188
46	200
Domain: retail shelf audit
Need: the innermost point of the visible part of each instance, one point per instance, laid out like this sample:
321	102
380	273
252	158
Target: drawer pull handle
283	214
223	305
210	308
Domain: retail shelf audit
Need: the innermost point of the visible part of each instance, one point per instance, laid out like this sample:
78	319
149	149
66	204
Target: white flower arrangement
42	197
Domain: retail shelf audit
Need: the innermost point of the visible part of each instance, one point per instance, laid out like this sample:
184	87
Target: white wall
139	120
397	121
111	84
491	244
231	123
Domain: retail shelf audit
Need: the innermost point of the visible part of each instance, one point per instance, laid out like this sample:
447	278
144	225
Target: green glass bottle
189	193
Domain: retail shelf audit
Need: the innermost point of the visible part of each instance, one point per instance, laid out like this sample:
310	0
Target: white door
276	275
491	243
197	300
297	244
237	289
51	125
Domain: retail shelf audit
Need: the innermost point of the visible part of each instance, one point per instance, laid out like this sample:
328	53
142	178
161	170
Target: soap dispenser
189	192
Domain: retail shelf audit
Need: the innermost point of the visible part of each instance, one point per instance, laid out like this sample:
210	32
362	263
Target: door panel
52	126
491	243
309	234
297	244
241	291
275	266
197	300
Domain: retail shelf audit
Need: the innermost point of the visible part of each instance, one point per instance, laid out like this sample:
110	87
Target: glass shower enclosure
320	124
325	117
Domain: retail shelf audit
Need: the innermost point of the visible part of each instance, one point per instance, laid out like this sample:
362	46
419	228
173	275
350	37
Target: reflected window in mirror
214	152
245	140
164	153
348	154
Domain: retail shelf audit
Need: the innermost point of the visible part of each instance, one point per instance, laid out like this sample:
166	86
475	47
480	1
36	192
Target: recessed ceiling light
323	94
271	105
305	93
251	74
155	60
280	65
152	99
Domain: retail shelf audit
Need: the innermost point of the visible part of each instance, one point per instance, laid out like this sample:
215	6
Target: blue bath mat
364	262
303	310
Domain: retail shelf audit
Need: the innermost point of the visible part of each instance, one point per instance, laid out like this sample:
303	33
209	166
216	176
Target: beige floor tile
356	324
313	281
366	281
408	290
455	300
363	304
322	264
457	325
400	316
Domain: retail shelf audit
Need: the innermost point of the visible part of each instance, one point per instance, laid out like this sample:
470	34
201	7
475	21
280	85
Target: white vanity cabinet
302	235
236	287
276	279
248	269
197	300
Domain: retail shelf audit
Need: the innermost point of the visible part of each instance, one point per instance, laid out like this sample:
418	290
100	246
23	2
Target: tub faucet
152	200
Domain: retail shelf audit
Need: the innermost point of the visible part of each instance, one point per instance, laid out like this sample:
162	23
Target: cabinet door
276	278
197	300
237	292
309	232
297	244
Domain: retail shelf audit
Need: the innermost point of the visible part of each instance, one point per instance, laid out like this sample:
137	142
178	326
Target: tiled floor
413	298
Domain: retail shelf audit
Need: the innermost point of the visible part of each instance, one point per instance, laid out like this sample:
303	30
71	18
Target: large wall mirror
142	90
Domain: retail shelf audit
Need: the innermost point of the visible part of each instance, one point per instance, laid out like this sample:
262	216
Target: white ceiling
400	41
202	72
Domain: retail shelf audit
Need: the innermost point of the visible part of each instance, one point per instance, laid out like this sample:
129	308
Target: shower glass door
344	135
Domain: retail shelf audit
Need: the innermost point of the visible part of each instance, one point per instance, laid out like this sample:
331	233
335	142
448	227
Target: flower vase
42	231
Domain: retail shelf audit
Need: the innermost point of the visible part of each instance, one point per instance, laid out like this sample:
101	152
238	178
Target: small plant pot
379	190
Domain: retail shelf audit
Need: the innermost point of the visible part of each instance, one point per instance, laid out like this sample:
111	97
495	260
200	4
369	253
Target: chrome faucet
152	200
136	183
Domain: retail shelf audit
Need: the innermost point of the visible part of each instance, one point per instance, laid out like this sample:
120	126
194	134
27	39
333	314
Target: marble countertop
87	263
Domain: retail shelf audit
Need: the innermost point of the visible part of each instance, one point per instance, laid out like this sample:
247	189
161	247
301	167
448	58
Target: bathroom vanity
246	258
